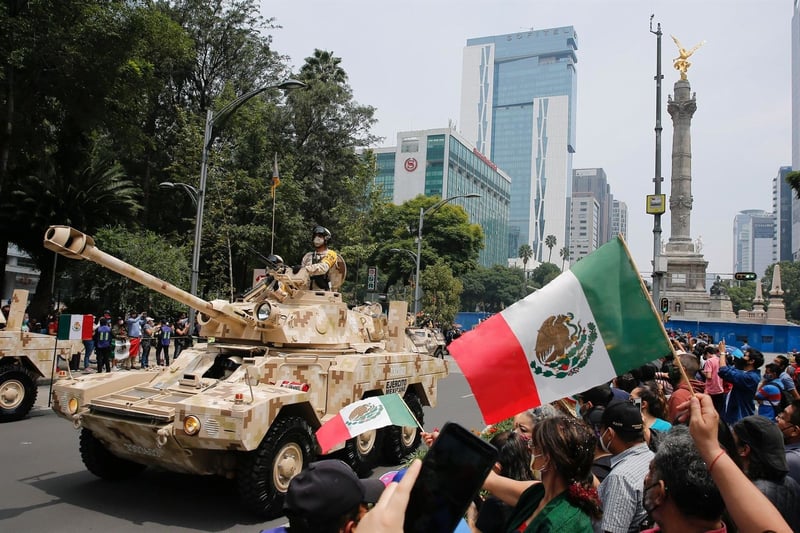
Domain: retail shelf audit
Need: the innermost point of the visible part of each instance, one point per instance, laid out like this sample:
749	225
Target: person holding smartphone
562	450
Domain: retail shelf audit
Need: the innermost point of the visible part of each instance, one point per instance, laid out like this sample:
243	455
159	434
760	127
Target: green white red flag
122	350
362	416
75	327
589	325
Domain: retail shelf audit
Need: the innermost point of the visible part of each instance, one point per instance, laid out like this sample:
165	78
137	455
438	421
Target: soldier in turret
319	262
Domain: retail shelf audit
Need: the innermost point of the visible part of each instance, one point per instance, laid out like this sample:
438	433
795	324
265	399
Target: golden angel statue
681	63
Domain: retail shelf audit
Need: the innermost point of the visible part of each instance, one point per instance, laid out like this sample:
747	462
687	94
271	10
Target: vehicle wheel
102	463
263	475
18	393
402	441
363	452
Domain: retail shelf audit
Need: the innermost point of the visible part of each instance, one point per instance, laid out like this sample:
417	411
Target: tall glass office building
518	107
440	162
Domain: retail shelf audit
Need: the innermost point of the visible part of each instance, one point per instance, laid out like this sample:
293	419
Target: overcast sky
404	58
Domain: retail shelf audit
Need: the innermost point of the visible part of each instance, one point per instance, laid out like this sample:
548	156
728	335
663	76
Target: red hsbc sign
410	164
484	158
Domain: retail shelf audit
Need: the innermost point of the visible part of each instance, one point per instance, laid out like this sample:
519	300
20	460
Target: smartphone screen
452	474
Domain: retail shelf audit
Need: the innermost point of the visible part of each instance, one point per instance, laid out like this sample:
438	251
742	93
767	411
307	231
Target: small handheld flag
362	416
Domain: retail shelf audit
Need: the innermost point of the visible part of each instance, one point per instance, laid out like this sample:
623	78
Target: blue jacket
739	401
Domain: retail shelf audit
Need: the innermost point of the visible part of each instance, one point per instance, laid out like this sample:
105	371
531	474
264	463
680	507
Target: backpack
786	398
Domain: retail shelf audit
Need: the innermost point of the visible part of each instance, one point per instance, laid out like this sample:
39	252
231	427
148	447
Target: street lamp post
657	179
211	121
190	190
416	263
422	213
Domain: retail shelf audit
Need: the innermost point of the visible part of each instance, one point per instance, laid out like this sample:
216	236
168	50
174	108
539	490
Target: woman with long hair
562	451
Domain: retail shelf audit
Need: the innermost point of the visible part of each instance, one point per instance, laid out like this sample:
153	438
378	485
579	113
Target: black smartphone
452	474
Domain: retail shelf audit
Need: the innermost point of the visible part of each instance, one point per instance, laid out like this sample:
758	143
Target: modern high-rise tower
518	106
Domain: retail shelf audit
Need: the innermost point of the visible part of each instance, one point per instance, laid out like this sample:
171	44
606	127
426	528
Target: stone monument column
681	109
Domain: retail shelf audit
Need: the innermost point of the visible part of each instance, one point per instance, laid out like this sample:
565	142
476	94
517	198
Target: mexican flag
590	324
75	327
122	350
362	416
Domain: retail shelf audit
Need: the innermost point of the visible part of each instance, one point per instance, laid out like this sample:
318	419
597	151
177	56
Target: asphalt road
44	486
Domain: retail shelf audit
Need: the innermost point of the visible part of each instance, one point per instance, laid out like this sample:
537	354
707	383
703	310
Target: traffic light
664	305
745	276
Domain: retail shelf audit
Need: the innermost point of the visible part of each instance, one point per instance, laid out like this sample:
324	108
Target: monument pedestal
686	284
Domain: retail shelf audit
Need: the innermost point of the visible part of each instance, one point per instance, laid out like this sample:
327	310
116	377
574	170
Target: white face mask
318	241
603	443
537	472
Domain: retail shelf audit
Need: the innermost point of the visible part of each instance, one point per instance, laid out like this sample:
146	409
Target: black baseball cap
328	489
624	417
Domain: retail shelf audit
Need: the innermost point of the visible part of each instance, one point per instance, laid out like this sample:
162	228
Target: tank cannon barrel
75	244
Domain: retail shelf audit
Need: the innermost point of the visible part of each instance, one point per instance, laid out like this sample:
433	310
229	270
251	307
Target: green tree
441	298
741	294
544	274
492	289
323	66
550	241
790	282
447	234
97	196
564	253
525	252
75	83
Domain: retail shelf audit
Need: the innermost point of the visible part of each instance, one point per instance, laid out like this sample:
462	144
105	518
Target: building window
410	145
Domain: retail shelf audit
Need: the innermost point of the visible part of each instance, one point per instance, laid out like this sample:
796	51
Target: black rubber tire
104	464
364	452
263	475
18	392
400	442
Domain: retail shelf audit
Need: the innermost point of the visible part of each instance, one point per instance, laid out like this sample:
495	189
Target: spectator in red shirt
684	390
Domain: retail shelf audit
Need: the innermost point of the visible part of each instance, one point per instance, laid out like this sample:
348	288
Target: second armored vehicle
246	403
25	358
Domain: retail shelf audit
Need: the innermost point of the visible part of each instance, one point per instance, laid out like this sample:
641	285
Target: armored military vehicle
25	357
245	404
429	339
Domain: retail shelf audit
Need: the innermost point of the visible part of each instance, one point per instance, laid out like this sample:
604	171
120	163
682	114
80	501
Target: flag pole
275	181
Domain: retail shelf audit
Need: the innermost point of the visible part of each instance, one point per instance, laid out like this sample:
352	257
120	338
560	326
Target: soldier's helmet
319	230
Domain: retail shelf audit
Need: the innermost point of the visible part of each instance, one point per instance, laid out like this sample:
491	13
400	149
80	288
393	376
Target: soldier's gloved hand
296	269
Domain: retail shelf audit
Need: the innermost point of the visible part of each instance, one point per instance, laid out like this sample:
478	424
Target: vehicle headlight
72	405
263	311
191	425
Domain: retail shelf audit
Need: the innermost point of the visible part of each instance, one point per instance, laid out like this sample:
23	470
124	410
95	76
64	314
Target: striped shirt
621	491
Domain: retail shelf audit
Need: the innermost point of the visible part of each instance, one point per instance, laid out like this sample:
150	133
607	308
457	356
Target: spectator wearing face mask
622	434
745	377
679	493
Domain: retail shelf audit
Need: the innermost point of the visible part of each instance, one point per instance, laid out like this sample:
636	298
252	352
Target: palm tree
564	252
525	252
323	66
99	195
550	241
